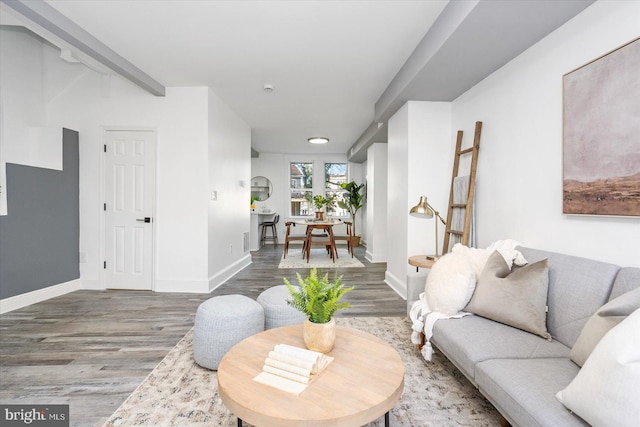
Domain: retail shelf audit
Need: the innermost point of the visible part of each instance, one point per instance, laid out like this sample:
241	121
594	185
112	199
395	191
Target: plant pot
320	216
319	336
355	241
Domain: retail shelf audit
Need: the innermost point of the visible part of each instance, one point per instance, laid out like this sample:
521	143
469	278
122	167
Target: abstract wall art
601	135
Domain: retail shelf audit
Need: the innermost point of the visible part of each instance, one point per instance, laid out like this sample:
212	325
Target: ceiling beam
468	42
51	20
448	22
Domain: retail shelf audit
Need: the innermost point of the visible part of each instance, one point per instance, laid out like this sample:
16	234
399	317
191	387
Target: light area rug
319	258
178	392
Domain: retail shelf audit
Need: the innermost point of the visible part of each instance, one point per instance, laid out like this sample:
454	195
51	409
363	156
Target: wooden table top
364	381
325	222
421	261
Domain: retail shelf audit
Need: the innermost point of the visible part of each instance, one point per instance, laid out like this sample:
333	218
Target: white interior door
129	190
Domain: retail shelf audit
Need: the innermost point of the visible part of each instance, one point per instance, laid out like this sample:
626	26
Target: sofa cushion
577	288
627	279
518	298
524	390
607	316
605	392
473	339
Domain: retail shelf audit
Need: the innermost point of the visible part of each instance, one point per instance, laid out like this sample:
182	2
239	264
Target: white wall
519	189
182	197
229	170
201	145
397	198
27	85
376	207
420	157
358	172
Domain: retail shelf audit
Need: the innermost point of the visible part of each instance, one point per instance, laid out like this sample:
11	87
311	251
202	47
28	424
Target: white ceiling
339	68
329	61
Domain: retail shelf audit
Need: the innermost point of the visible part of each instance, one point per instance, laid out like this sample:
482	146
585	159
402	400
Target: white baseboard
374	259
189	286
396	284
202	286
23	300
221	277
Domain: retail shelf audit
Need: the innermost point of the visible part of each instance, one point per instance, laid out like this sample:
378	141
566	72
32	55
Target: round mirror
261	188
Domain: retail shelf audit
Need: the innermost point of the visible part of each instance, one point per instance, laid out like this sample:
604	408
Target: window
301	179
301	188
334	175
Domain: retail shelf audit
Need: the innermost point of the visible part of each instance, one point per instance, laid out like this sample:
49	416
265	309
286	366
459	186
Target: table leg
386	420
239	422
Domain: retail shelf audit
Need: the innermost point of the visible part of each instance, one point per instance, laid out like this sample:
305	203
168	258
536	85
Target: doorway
129	189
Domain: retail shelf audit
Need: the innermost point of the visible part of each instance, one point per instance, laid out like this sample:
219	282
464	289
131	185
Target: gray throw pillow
603	320
517	298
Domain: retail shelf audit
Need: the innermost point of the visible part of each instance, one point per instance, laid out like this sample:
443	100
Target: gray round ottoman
276	310
222	322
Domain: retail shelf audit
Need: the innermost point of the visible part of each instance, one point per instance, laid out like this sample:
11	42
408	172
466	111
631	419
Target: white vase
319	336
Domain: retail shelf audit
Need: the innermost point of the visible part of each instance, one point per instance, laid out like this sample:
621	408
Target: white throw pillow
450	283
606	391
605	319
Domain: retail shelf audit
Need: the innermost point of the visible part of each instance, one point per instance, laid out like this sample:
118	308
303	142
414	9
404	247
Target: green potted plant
323	204
353	200
253	201
318	298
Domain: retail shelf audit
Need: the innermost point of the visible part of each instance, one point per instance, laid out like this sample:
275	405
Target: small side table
421	261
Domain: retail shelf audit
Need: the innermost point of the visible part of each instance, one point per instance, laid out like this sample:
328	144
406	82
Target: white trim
396	284
201	286
189	286
220	278
33	297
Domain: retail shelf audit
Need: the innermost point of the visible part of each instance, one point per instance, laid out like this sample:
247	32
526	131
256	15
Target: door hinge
105	265
105	148
105	207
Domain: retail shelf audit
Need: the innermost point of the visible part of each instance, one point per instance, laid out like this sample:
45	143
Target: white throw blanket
472	263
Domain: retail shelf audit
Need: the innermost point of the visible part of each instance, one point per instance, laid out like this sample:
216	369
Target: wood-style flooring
91	349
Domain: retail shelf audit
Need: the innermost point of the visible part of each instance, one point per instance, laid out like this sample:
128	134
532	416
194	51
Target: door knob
145	219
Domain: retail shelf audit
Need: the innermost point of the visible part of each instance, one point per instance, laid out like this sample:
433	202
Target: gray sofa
518	372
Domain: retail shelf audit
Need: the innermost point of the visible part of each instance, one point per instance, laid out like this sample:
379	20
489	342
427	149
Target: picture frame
601	135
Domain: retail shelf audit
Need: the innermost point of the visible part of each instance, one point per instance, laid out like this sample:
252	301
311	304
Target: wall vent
245	242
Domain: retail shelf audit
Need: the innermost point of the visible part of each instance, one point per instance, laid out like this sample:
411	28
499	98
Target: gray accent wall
39	238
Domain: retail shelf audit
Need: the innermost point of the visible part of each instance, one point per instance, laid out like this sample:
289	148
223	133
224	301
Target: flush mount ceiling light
268	88
318	140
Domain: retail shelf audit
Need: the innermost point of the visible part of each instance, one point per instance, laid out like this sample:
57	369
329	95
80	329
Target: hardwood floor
91	349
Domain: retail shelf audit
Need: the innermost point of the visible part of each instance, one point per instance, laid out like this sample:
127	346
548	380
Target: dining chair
290	238
346	237
274	231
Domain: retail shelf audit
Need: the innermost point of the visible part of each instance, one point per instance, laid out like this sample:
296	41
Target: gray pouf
276	310
222	322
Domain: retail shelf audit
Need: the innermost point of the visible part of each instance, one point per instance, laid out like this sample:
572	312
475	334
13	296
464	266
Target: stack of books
292	369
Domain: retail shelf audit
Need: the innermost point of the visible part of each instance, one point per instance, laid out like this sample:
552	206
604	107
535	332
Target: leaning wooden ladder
467	206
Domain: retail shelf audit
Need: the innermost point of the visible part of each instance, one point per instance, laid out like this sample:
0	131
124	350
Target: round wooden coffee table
363	383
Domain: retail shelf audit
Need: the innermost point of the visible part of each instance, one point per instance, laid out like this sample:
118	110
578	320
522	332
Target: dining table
326	239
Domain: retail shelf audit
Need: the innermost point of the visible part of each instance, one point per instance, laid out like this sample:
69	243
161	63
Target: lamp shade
422	209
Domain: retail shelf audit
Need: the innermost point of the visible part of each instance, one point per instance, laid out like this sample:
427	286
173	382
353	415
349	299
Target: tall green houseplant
353	199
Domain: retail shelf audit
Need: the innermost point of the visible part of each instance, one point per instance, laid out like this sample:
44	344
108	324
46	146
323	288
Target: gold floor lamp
424	210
